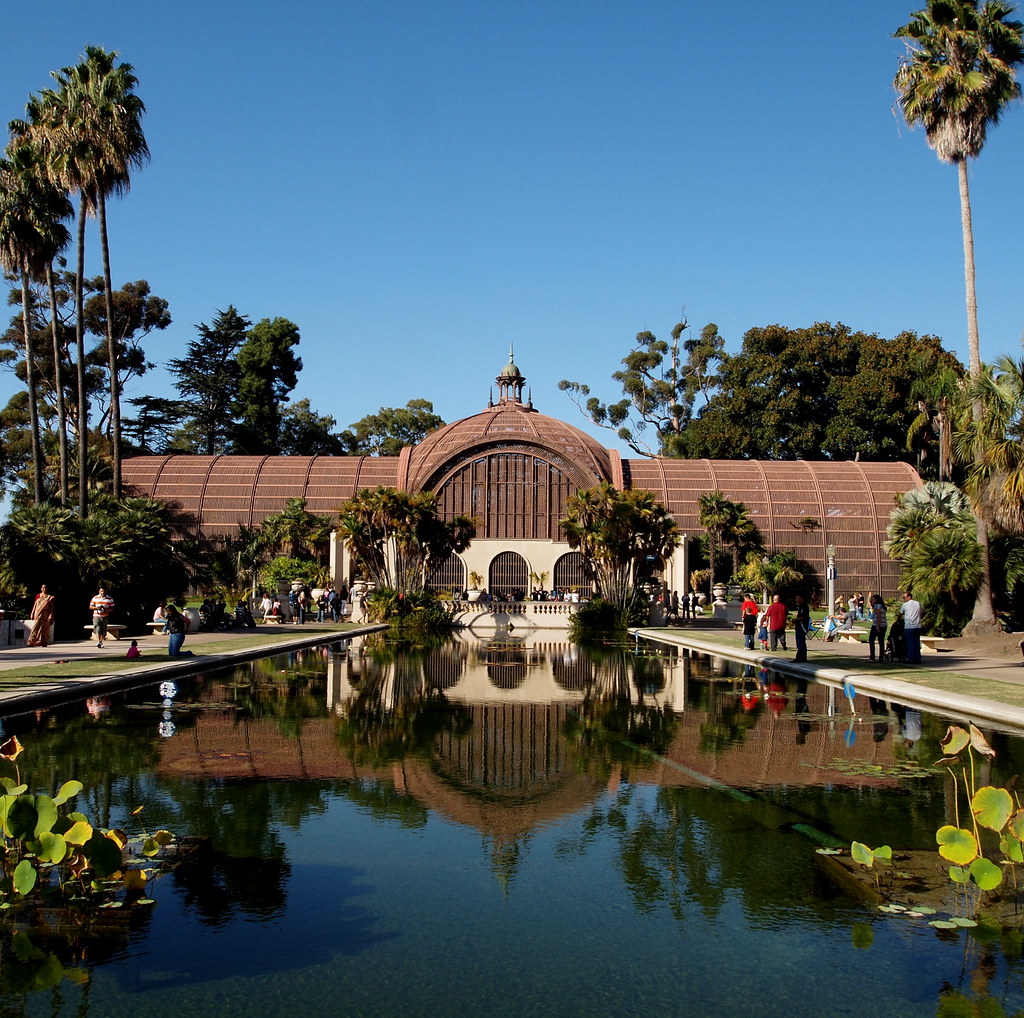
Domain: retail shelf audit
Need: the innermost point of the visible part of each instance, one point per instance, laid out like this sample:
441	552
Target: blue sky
419	184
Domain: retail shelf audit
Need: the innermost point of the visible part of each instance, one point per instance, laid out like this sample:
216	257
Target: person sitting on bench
837	623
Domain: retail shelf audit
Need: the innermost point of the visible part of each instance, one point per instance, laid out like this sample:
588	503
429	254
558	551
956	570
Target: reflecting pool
507	827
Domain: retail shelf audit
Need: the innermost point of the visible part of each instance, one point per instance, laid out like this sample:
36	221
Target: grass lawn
260	640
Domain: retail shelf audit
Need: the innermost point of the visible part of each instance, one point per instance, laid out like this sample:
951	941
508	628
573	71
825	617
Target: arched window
513	495
569	572
448	575
508	576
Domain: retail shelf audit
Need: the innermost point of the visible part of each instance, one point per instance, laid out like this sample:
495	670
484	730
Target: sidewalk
68	668
981	689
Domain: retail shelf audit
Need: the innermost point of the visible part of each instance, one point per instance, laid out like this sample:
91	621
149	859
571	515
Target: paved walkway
989	690
209	651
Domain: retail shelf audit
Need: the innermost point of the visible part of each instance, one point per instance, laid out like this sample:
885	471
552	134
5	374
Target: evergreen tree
207	379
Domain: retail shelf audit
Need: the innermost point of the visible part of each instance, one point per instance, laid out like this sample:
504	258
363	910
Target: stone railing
545	614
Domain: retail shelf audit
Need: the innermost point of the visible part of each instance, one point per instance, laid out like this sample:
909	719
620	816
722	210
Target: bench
279	619
156	627
930	643
114	629
850	635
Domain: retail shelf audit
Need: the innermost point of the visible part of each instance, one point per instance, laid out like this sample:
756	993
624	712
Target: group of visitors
685	607
769	624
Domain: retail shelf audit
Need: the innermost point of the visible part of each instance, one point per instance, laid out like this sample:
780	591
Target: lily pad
942	924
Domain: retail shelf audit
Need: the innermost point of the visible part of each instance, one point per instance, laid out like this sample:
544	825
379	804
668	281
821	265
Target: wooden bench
114	629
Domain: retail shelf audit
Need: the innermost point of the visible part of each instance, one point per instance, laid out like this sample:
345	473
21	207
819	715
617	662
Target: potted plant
475	587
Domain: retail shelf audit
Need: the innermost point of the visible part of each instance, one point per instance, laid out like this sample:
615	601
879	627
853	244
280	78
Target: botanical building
513	469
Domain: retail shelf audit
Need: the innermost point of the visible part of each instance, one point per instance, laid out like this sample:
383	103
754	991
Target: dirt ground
1003	646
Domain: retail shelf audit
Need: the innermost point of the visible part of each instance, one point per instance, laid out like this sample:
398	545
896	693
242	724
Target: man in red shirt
776	616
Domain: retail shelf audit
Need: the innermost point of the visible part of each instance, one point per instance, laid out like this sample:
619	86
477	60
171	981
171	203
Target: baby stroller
895	645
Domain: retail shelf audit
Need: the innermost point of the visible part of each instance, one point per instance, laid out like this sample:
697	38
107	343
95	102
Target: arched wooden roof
219	492
851	502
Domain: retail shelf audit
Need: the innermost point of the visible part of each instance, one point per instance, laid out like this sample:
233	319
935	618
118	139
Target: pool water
509	827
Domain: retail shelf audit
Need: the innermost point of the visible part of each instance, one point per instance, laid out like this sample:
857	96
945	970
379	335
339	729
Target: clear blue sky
418	184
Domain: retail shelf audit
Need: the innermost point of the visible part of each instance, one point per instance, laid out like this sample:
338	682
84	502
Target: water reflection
348	792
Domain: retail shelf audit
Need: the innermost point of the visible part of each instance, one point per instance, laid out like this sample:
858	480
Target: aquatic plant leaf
1017	825
78	833
1011	848
986	874
958	875
924	909
118	836
942	924
67	791
25	877
46	811
862	854
992	807
103	854
52	847
11	788
829	851
956	844
980	744
963	921
163	838
22	817
145	901
955	740
135	880
883	854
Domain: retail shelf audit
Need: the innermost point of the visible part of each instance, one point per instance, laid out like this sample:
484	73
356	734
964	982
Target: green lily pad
942	924
961	921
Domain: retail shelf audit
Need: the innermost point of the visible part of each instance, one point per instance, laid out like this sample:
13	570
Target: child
762	630
133	650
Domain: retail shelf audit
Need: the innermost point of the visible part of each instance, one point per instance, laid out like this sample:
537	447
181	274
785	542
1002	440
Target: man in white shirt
911	612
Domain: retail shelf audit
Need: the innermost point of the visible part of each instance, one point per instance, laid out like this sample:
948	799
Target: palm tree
397	538
619	534
992	446
91	134
956	79
32	234
714	513
302	533
740	533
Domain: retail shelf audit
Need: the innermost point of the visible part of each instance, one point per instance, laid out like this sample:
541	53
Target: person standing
42	618
101	606
177	627
911	612
801	624
776	617
749	624
876	610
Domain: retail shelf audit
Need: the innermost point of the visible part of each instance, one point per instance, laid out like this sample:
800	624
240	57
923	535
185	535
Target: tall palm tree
32	233
91	133
957	77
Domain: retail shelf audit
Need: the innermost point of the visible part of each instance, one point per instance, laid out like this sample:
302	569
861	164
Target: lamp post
831	575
